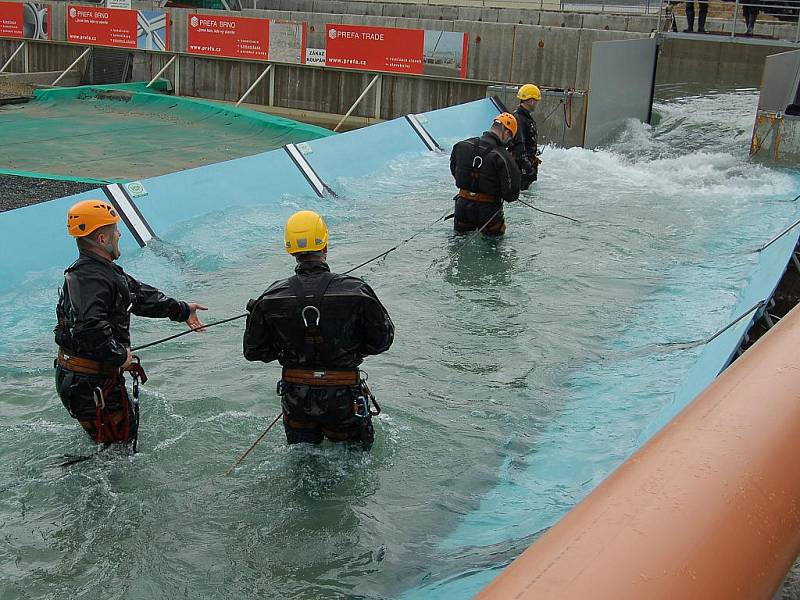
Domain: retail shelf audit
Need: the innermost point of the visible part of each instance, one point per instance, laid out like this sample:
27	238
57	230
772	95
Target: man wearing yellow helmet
92	331
319	326
485	175
525	146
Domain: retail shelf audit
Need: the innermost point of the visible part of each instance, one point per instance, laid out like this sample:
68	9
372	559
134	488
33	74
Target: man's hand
193	321
128	360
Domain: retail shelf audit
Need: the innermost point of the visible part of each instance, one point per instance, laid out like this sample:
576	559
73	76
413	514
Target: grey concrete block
439	12
518	16
490	49
545	55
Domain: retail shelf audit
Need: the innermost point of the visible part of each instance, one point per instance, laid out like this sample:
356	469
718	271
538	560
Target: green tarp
129	132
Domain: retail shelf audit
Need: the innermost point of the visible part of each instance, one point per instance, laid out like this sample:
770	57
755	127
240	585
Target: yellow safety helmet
305	232
88	215
508	121
528	92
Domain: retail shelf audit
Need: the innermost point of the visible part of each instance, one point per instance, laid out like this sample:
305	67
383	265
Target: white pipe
255	83
359	99
164	68
75	62
12	57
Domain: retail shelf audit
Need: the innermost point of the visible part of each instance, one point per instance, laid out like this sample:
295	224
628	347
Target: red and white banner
29	20
117	27
233	37
246	38
413	51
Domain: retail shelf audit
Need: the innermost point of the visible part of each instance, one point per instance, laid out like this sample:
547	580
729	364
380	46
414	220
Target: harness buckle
99	401
305	318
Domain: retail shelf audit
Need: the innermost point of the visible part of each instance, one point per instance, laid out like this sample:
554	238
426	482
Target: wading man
92	332
525	145
486	175
319	326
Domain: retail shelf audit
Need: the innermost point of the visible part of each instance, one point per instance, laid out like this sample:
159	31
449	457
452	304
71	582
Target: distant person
701	17
319	326
93	329
525	145
486	175
750	12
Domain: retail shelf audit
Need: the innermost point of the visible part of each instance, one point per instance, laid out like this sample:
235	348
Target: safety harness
310	313
108	428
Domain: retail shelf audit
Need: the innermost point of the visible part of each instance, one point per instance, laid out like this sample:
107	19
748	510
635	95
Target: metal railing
757	19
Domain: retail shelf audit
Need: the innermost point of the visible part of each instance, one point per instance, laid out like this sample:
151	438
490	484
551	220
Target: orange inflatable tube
709	508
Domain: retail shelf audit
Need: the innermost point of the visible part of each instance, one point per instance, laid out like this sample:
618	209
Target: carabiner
479	162
99	401
305	319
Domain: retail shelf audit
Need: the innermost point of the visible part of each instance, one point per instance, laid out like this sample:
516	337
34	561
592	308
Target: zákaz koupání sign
232	37
374	48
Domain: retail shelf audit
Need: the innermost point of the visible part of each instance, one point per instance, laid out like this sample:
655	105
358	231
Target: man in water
525	146
93	329
486	175
319	326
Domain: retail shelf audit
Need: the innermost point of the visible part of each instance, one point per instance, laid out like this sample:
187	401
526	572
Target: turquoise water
534	354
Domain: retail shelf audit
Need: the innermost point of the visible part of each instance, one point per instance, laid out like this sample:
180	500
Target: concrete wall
713	63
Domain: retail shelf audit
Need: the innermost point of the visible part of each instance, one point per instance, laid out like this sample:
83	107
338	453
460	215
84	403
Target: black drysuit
486	175
93	314
351	324
525	147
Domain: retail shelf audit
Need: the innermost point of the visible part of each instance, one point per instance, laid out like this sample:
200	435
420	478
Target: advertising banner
119	28
232	37
247	38
29	20
412	51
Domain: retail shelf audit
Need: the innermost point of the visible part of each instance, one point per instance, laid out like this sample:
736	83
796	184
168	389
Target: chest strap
311	314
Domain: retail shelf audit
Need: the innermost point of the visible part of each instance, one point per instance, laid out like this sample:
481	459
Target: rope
695	343
243	315
520	200
475	233
250	449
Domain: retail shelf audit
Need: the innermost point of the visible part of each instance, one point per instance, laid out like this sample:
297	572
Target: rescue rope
243	315
393	248
73	459
520	200
250	449
475	233
695	343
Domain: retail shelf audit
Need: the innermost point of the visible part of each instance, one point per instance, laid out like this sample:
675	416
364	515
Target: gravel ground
21	191
10	89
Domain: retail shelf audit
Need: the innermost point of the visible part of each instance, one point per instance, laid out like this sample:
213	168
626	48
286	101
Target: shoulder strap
310	312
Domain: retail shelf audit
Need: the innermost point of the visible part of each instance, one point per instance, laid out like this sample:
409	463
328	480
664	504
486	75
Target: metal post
75	62
359	99
12	57
797	33
271	98
255	83
164	68
735	18
378	96
177	75
26	59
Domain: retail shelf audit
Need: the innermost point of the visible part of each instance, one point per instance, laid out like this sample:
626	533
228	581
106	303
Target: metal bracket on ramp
314	180
423	133
127	209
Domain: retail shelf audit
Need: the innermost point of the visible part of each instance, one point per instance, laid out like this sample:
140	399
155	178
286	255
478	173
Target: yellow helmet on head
529	92
88	215
305	232
508	121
